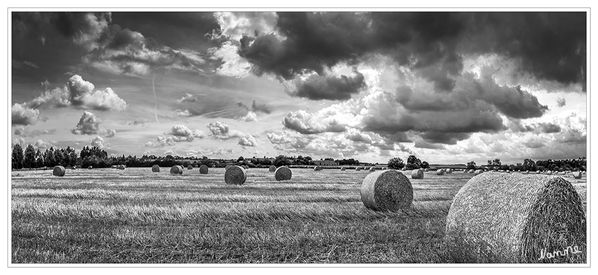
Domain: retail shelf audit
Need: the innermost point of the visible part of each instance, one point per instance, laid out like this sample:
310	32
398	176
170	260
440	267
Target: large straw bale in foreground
512	218
155	168
203	169
58	171
417	174
235	175
283	173
386	190
176	170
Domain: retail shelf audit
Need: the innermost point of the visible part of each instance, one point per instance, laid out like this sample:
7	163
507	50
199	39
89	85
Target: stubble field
136	216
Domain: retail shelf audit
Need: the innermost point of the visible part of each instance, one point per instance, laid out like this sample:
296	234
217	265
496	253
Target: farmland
136	216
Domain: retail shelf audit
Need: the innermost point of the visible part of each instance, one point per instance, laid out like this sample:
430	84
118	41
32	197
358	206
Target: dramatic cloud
23	115
306	123
177	133
549	128
109	133
184	132
218	129
98	142
88	124
318	87
247	140
211	106
80	93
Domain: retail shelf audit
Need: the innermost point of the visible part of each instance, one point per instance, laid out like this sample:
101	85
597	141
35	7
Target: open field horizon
136	216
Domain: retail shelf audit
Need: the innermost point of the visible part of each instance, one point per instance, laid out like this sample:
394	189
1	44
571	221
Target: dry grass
133	216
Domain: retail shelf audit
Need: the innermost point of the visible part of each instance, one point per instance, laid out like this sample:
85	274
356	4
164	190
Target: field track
136	216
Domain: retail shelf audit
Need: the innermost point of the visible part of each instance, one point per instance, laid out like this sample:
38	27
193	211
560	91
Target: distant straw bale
388	190
283	173
176	170
203	169
272	168
417	174
58	171
235	175
155	168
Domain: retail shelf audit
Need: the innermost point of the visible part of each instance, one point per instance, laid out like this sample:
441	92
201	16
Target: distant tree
58	157
396	163
471	165
413	162
281	161
29	160
425	164
496	162
17	156
39	159
529	164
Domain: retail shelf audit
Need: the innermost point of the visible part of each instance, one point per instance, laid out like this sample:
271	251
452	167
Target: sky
447	87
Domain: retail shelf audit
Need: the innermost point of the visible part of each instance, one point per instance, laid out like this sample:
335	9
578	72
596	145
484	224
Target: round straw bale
121	167
372	169
189	167
549	173
417	174
203	169
272	168
479	171
283	173
449	171
388	190
90	167
58	171
235	175
227	166
515	218
358	168
427	170
176	170
577	175
440	172
404	169
342	168
317	168
155	168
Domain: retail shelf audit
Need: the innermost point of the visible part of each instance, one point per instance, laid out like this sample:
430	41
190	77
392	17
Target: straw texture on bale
577	175
155	168
235	175
387	190
515	218
58	171
272	168
440	172
227	166
317	168
417	174
203	169
283	173
176	170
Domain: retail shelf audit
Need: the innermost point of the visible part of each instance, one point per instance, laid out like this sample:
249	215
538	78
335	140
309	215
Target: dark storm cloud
260	107
549	128
426	145
550	46
318	87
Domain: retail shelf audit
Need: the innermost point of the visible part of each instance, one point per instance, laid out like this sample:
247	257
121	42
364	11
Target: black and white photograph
312	136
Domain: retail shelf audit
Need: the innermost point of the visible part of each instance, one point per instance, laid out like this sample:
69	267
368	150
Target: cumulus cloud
218	129
250	116
306	123
211	106
247	140
109	133
184	132
177	133
80	93
97	142
23	115
88	124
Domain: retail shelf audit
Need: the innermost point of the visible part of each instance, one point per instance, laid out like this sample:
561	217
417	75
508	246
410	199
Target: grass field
136	216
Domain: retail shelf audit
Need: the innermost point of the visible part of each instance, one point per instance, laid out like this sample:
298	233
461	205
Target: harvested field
136	216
